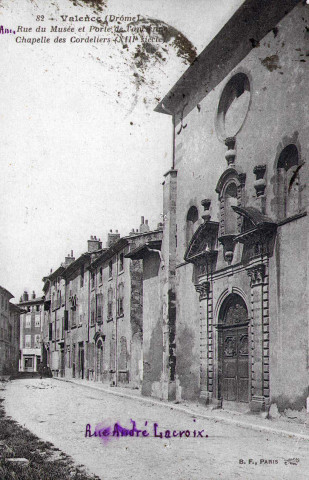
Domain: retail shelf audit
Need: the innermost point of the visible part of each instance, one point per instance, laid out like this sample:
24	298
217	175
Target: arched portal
233	350
99	360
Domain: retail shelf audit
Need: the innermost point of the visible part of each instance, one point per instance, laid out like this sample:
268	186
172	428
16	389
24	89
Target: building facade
9	334
234	284
93	324
116	310
31	321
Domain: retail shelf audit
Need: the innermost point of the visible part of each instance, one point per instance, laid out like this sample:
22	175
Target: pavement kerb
188	411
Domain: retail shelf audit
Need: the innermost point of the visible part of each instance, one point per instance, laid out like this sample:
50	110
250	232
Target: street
59	412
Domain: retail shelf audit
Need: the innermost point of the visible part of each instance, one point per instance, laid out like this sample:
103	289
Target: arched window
230	217
192	223
288	182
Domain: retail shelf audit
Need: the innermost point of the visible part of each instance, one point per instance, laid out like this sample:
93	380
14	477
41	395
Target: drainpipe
116	324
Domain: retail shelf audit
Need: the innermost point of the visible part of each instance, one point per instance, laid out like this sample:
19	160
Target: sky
82	150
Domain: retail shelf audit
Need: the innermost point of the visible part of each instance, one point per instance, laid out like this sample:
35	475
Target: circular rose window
233	106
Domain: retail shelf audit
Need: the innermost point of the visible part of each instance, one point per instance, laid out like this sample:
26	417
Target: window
110	303
28	309
10	333
121	262
58	305
82	274
92	280
100	275
120	299
233	106
69	360
92	311
50	333
123	355
57	329
37	340
288	182
110	269
27	341
37	321
230	217
100	308
37	308
73	317
28	322
192	223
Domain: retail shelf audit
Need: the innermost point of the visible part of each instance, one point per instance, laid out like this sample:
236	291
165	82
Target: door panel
235	365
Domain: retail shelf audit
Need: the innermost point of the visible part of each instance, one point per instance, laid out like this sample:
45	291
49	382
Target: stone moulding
257	274
259	227
203	289
202	250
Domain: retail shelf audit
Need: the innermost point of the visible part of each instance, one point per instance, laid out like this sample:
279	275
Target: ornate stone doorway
233	350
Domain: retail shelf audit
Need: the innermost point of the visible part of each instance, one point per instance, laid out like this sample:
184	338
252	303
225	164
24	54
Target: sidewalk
279	426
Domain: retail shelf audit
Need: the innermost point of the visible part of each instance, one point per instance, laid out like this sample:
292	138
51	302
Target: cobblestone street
59	412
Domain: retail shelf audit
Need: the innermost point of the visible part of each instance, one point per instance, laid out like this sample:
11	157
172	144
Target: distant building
9	334
93	326
31	321
116	310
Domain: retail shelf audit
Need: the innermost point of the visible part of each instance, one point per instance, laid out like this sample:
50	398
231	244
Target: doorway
233	350
99	361
81	360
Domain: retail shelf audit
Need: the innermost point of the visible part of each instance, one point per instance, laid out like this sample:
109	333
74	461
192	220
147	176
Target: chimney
94	244
25	296
33	295
69	259
112	238
144	227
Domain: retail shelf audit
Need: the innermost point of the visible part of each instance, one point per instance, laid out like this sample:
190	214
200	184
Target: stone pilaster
203	289
210	349
259	336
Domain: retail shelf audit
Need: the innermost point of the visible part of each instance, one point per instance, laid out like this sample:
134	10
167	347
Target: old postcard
154	284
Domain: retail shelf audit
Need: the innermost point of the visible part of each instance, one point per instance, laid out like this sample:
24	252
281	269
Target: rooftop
250	23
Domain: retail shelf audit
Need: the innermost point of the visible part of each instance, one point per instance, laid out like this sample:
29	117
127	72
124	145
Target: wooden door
235	364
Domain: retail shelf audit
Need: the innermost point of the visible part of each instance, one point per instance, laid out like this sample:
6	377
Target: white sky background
72	165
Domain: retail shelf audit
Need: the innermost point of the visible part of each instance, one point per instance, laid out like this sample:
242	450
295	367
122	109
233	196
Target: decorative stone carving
242	179
228	247
243	345
236	314
259	183
231	152
206	214
202	251
203	289
230	347
257	274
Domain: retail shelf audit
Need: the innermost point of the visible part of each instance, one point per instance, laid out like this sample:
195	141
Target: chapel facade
236	224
